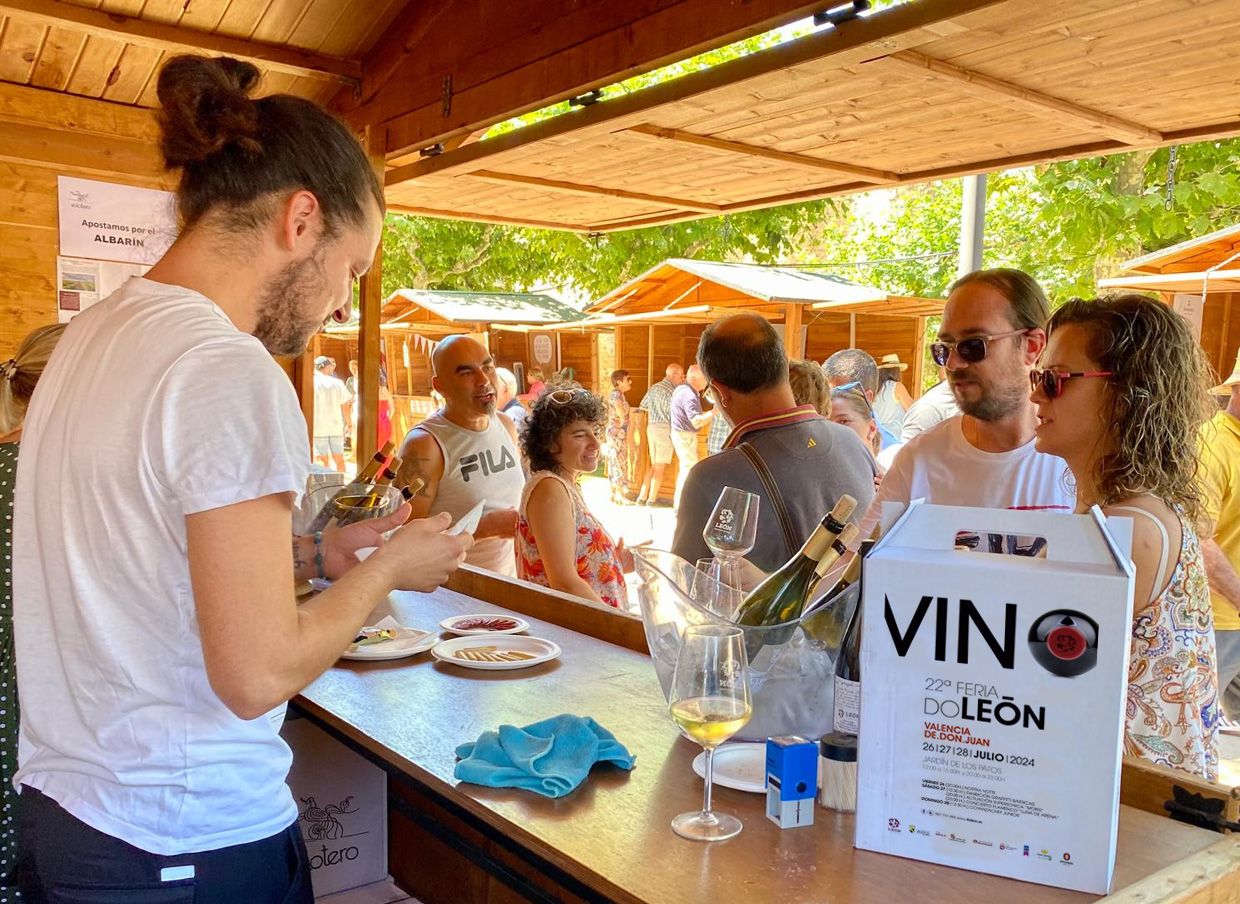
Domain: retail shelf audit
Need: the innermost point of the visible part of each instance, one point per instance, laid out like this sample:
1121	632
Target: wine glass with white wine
710	702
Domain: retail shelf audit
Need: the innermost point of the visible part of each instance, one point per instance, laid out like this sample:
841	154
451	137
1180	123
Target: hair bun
205	107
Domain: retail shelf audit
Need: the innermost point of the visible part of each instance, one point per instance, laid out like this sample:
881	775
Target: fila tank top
478	465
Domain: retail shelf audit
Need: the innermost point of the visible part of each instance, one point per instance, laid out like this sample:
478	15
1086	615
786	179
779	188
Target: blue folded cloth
550	758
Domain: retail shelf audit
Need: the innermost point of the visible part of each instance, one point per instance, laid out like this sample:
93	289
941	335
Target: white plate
454	625
740	765
542	651
407	642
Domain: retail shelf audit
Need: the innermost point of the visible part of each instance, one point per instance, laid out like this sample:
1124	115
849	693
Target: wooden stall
657	319
1200	278
414	320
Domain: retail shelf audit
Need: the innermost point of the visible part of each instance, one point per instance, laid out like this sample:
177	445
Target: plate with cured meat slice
486	623
497	652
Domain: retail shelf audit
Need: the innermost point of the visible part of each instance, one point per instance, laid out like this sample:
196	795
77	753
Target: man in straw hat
1220	537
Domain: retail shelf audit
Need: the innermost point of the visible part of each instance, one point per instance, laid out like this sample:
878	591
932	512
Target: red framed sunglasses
1051	381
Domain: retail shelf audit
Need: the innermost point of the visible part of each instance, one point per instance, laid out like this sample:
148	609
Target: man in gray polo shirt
657	403
812	462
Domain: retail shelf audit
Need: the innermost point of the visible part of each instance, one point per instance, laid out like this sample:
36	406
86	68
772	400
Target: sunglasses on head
564	396
853	389
1051	381
970	350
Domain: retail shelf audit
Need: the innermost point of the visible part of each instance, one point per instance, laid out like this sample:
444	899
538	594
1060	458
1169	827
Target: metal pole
972	223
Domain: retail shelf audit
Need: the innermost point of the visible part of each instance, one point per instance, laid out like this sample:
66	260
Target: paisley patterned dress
1172	708
597	562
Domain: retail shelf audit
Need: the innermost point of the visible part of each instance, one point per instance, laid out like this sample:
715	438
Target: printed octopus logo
726	520
322	820
729	675
81	197
893	825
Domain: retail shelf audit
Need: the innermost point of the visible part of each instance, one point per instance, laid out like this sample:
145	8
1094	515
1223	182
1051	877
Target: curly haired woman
559	543
1121	395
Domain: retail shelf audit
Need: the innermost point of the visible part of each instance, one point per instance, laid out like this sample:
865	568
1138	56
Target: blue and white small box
791	781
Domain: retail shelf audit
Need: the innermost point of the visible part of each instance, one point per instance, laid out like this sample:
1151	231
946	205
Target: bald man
466	453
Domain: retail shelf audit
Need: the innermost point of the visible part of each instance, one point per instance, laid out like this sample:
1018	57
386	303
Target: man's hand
420	556
341	544
500	523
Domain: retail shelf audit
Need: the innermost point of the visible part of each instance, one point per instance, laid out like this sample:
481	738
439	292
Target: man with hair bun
158	640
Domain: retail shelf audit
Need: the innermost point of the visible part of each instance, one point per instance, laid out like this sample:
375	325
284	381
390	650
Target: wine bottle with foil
848	678
359	486
780	598
375	501
827	619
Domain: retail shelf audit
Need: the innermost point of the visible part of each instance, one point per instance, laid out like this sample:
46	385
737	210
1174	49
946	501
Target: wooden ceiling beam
26	105
96	154
539	52
576	188
864	173
900	27
415	211
986	86
161	36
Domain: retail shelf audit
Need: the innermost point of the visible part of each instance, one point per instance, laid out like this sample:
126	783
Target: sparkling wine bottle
781	597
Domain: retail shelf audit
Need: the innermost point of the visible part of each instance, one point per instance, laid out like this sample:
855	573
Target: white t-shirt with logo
153	407
944	468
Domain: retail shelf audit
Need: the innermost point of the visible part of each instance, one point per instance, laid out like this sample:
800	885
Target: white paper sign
1191	308
993	689
105	221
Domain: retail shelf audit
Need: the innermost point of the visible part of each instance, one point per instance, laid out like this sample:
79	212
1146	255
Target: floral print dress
1172	708
597	562
617	440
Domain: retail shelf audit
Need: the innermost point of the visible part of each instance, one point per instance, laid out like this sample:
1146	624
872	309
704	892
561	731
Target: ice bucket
791	667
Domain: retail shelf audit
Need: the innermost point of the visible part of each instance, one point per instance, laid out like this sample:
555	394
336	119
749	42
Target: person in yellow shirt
1220	547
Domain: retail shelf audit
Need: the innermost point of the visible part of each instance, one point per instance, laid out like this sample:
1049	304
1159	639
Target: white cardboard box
979	748
342	809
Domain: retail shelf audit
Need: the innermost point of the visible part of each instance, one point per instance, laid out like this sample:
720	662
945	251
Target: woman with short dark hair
1121	395
560	544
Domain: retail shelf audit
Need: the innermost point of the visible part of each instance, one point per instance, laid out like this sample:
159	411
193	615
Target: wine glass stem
710	774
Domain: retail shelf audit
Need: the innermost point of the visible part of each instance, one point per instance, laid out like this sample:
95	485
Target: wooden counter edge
1211	876
562	609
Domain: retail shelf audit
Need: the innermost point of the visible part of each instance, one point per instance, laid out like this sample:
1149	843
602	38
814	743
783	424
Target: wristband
318	556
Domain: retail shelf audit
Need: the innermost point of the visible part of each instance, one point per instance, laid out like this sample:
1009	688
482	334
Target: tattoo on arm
298	562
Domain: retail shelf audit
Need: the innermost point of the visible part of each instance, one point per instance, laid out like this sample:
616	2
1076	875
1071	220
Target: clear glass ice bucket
791	667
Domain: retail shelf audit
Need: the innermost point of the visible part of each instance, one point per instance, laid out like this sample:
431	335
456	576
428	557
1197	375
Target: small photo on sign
78	281
70	301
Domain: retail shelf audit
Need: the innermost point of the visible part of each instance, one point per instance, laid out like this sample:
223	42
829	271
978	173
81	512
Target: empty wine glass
714	589
730	532
709	700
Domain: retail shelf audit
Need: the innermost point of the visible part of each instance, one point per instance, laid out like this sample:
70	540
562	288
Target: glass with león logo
730	532
710	702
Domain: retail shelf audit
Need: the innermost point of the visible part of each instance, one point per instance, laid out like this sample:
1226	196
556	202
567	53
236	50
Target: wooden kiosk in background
657	319
1199	278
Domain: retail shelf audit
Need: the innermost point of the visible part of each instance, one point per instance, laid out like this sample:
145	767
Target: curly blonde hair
1155	402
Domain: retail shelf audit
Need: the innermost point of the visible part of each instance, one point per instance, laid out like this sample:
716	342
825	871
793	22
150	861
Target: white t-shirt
330	395
944	468
153	407
936	405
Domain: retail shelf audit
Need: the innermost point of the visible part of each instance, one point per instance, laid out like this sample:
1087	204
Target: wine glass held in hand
710	702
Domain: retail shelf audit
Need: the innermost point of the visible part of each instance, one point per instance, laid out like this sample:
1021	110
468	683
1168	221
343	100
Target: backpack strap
773	494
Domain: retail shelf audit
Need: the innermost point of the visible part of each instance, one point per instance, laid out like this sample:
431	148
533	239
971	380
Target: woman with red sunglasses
1121	395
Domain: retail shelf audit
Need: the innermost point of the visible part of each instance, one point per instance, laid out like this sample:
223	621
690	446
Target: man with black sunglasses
991	336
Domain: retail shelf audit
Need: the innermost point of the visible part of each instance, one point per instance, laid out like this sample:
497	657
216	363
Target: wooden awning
923	91
891	306
1209	263
701	313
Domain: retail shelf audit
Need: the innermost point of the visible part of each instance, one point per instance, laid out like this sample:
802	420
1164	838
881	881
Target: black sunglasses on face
1051	381
970	350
